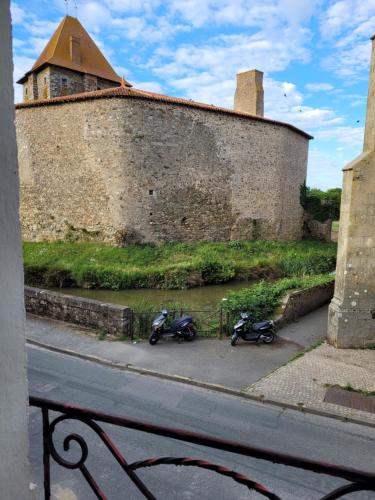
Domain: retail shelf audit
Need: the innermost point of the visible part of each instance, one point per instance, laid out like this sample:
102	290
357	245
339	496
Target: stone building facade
54	81
141	167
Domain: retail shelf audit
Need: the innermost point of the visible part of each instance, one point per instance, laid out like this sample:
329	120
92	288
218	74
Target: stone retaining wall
113	318
302	302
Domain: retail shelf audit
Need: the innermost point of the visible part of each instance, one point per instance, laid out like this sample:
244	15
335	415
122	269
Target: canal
198	298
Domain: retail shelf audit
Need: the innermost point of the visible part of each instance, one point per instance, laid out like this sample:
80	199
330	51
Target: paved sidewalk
211	361
303	382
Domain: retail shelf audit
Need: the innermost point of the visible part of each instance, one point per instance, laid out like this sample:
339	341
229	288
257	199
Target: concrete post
249	96
351	321
14	468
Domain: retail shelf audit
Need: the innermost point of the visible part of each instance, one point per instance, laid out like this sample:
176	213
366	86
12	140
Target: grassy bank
262	299
172	266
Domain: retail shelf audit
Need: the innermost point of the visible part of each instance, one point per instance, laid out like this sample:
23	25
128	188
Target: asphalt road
67	379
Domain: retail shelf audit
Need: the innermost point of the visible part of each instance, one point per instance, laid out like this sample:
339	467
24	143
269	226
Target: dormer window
75	49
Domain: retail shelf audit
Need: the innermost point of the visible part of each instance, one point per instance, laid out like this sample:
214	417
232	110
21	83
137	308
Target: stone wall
134	170
54	81
316	229
301	302
114	319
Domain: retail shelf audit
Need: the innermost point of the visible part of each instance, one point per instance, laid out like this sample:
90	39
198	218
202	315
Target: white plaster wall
14	469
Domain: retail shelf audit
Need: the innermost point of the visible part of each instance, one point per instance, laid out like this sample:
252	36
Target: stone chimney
249	96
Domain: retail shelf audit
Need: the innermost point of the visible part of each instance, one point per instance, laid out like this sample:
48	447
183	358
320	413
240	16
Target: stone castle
101	160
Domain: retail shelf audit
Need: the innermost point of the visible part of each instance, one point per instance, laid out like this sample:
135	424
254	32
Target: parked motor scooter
253	332
181	328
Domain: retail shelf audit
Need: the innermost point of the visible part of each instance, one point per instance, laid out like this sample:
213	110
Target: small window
151	192
64	81
45	80
26	91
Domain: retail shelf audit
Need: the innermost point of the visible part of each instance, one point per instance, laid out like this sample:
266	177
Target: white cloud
94	16
132	6
34	46
150	86
348	25
224	56
139	29
348	136
40	27
343	15
22	64
350	62
319	87
18	14
270	13
324	170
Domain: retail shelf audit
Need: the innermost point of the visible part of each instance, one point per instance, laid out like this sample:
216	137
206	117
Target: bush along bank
264	298
173	265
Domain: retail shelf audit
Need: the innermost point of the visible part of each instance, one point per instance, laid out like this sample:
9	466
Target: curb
197	383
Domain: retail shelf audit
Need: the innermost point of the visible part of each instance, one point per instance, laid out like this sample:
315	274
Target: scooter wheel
234	340
269	339
153	339
190	333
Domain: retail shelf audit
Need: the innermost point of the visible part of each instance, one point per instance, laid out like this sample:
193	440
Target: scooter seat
261	325
180	322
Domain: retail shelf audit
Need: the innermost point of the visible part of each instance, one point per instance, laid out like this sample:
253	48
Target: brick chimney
249	96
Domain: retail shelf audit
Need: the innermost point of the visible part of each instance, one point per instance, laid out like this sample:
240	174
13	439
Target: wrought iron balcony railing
358	481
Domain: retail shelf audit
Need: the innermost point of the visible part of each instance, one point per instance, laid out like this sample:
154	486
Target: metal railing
209	323
358	481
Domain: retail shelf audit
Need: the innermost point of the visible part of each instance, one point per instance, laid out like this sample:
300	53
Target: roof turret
72	47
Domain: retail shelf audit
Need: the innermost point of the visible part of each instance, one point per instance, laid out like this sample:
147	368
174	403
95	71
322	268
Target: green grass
174	265
300	354
263	299
335	225
348	387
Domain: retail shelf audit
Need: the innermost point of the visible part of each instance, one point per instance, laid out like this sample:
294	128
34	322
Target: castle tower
249	96
351	321
69	64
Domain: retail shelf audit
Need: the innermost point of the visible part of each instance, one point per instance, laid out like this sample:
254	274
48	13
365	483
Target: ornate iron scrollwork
359	481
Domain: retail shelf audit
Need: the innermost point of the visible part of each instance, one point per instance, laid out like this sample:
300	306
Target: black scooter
252	332
181	328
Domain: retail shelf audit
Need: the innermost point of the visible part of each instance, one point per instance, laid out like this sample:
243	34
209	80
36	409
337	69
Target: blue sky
315	55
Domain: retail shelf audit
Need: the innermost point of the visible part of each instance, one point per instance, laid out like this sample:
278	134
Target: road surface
67	379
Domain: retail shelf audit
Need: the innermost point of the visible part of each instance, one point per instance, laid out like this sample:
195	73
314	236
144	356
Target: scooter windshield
159	321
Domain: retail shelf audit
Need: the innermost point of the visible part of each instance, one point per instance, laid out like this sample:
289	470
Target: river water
198	298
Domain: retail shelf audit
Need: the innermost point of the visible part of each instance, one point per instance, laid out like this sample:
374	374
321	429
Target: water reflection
205	297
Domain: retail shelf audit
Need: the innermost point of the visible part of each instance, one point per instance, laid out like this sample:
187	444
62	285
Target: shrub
263	298
214	271
321	205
